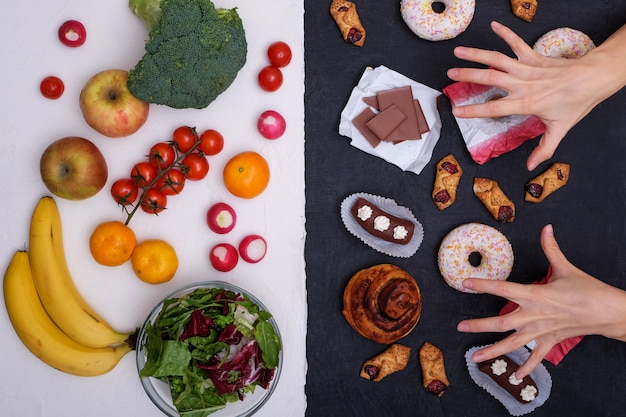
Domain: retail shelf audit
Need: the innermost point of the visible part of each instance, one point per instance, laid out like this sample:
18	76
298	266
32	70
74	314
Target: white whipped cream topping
364	212
513	380
381	223
498	367
528	393
400	232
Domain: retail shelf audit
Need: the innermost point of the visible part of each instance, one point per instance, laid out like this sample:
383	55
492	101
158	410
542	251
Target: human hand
572	303
559	91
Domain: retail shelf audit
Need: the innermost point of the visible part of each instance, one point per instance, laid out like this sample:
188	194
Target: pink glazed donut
564	43
496	255
428	24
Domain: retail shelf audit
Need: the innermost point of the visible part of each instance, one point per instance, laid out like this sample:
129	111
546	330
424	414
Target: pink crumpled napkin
558	351
487	138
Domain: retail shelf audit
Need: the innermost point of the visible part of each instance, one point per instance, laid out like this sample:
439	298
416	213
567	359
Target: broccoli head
193	53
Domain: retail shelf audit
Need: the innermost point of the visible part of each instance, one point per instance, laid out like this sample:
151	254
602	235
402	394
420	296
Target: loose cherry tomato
154	201
211	142
162	155
171	183
279	54
124	191
270	78
195	166
143	173
185	138
72	33
52	87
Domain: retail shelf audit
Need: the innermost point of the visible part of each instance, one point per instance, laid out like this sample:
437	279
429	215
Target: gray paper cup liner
540	375
390	206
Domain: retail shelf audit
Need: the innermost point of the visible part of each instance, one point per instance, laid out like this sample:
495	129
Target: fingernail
478	357
460	51
453	72
458	111
532	165
468	284
463	327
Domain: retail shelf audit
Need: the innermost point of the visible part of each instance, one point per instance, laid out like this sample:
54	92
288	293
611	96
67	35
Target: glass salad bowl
210	347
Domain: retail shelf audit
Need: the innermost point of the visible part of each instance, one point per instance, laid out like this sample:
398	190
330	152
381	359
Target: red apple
108	106
73	168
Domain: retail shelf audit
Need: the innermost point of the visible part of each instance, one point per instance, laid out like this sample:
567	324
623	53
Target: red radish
271	124
221	218
252	248
224	257
72	33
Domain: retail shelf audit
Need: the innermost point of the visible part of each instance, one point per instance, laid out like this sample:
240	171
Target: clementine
247	174
112	243
154	261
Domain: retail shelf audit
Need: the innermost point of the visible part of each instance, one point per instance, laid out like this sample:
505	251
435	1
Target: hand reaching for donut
572	303
559	91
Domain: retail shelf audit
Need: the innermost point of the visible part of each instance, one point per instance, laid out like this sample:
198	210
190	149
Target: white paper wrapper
409	155
540	375
381	245
487	137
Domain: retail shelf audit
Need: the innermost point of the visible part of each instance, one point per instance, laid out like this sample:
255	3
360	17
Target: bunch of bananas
48	313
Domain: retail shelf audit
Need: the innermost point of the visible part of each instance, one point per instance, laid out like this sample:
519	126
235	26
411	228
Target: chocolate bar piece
360	121
403	98
386	121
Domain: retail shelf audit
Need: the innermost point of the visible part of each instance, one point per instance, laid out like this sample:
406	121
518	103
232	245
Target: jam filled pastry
347	20
434	377
394	359
546	183
491	195
524	9
447	180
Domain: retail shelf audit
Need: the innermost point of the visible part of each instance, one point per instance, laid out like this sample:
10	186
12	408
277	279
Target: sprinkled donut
496	255
438	25
564	43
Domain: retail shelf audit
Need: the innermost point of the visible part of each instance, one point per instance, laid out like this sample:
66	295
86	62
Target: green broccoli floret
193	53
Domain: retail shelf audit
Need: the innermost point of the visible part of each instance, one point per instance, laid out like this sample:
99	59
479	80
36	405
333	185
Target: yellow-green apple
73	168
108	106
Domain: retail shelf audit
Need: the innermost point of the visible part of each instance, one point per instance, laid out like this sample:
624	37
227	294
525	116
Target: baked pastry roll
447	180
524	9
491	195
546	183
382	303
347	20
394	359
434	377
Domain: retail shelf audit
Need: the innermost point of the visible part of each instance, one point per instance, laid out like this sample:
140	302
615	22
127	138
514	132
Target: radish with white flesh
221	218
224	257
271	124
252	248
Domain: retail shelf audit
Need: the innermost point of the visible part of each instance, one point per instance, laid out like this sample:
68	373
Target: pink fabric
487	138
558	352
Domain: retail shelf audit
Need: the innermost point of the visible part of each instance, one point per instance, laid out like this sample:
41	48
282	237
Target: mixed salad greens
212	346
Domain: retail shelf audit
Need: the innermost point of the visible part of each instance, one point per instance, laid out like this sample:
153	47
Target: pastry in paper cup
540	377
402	246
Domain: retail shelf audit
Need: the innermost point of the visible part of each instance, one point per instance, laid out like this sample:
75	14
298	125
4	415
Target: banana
41	335
55	286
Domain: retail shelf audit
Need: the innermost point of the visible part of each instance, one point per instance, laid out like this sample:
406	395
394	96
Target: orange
247	174
112	243
154	261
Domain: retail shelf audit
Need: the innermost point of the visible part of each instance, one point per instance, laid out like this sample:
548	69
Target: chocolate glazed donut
382	303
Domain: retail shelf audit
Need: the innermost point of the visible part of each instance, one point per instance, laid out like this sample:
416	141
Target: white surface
30	51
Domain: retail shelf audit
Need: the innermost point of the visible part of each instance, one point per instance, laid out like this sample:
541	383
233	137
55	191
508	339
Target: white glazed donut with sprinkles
426	19
564	43
485	242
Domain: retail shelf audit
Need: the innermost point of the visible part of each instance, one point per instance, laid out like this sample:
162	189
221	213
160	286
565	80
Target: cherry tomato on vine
279	54
154	201
195	166
124	191
52	87
185	138
211	142
143	173
270	78
171	183
162	155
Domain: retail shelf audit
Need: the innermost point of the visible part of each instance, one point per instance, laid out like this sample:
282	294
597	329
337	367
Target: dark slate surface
587	215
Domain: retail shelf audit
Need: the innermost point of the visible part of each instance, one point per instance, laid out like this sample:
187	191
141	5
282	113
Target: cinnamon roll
382	303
